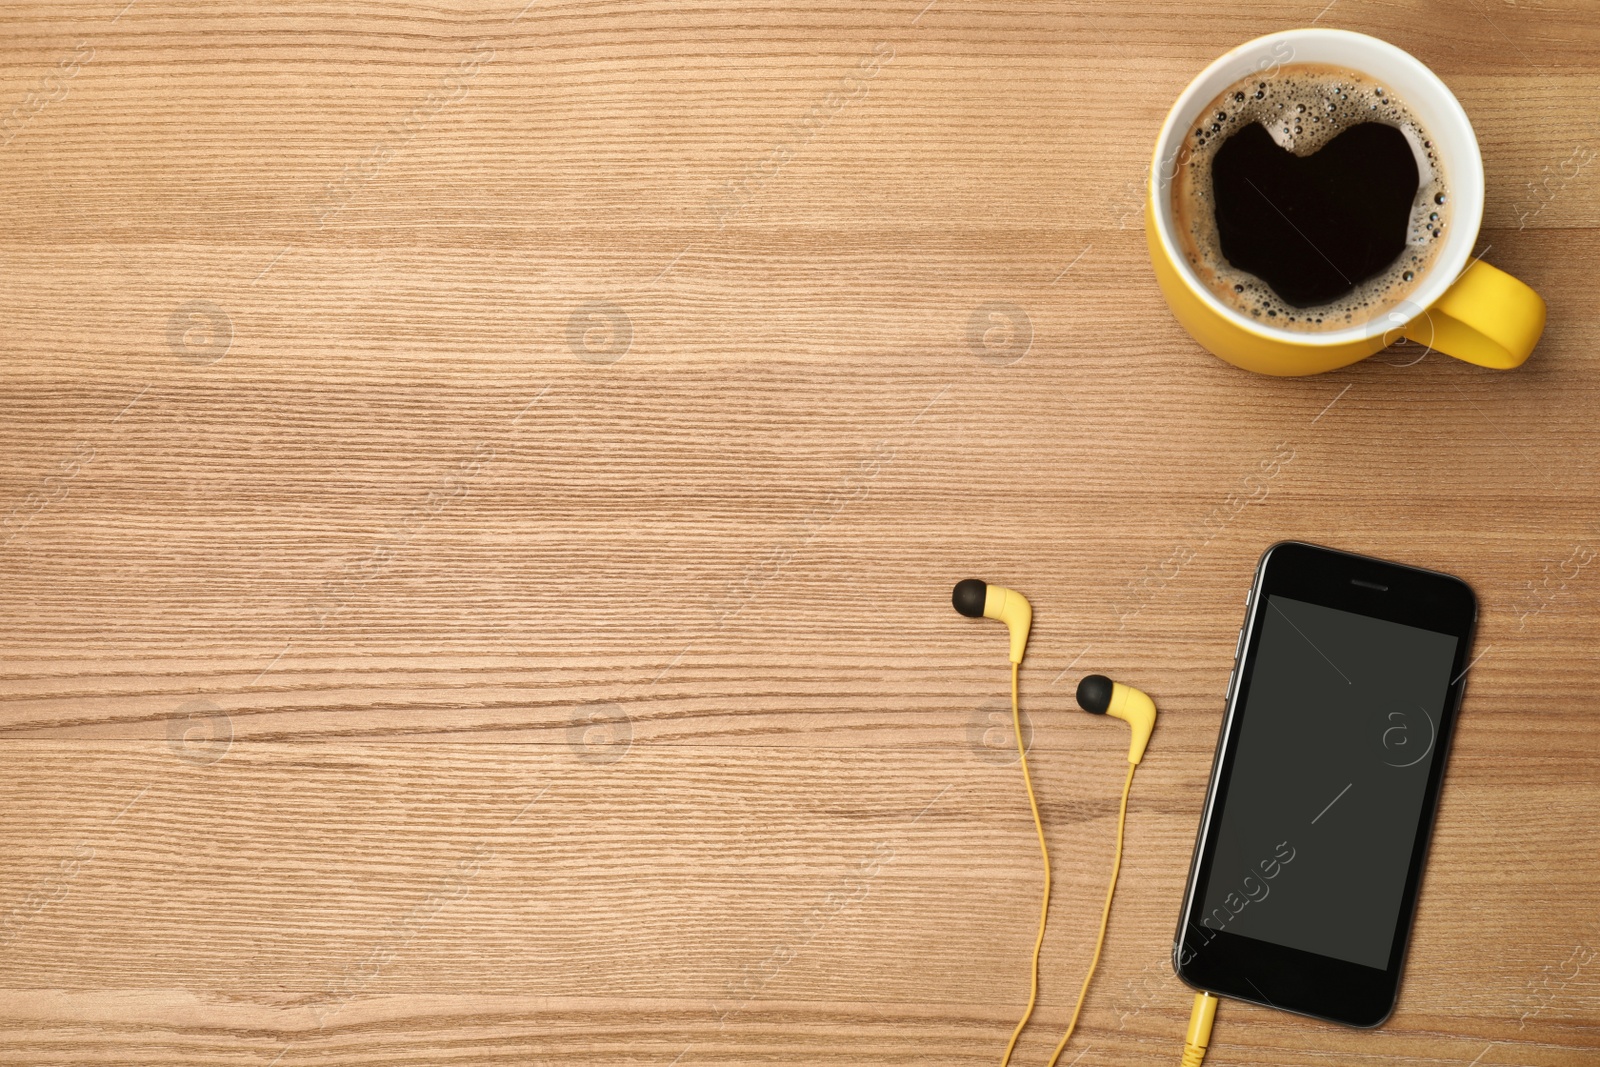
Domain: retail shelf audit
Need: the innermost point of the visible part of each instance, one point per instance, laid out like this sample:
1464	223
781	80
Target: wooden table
483	488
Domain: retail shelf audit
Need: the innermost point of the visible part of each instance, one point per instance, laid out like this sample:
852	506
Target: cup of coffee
1315	196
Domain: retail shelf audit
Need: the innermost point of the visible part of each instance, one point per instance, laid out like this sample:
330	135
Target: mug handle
1487	317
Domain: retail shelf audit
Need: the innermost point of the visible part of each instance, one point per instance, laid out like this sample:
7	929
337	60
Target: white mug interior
1428	98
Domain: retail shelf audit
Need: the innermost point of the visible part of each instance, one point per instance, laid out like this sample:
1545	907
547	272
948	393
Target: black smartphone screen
1327	775
1335	744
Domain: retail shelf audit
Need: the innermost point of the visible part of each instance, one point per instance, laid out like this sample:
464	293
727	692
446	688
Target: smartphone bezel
1274	975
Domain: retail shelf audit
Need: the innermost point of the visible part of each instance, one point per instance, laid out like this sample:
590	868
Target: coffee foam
1303	106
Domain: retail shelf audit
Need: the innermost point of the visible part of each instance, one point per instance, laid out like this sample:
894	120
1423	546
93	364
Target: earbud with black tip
978	600
1099	695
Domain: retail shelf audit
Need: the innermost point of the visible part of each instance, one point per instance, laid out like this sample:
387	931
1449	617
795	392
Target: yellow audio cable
1195	1042
1044	901
1105	916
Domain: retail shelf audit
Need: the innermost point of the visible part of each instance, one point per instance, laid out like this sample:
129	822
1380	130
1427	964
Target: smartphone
1346	679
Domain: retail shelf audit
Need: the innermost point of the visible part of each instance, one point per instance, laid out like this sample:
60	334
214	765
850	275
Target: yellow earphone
1098	695
976	599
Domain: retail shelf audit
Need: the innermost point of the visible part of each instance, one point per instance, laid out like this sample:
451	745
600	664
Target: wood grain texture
482	488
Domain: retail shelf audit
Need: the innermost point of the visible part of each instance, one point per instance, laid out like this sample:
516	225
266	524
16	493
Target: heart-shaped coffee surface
1314	227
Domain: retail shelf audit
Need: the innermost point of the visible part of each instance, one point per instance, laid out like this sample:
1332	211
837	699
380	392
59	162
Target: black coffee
1310	198
1314	227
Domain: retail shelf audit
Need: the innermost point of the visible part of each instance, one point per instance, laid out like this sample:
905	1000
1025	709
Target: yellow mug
1465	308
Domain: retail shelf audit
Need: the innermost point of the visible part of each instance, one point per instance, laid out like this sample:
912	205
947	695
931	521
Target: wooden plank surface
482	489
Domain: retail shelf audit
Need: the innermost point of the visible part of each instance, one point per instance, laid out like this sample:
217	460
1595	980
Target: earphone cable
1105	917
1198	1039
1044	901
